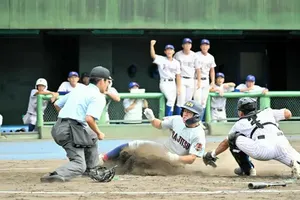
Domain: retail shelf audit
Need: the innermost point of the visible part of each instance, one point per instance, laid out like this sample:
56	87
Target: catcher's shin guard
241	158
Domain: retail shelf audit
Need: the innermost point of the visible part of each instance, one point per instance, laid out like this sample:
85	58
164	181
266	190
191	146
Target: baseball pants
218	114
187	90
277	148
168	88
80	159
201	94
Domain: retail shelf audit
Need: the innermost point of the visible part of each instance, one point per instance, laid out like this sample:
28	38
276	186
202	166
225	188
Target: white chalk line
24	168
148	193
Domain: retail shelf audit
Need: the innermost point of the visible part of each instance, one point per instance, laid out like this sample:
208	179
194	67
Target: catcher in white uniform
189	65
207	65
218	104
169	69
186	141
256	134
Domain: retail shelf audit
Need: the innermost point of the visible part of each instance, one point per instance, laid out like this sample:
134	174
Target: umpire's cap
247	104
100	72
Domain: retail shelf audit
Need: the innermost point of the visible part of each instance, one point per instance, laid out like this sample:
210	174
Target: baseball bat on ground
261	185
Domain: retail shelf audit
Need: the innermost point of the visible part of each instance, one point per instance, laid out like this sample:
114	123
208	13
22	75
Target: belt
186	77
218	109
260	137
203	78
73	121
170	79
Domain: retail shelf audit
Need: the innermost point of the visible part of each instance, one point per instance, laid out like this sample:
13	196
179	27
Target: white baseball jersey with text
188	63
67	87
206	63
183	140
167	69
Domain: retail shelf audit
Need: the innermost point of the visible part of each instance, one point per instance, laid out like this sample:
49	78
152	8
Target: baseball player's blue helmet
205	41
194	107
186	40
250	78
246	105
169	46
132	84
220	74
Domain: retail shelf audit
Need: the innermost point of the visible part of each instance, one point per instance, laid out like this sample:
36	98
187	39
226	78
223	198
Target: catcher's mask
247	105
194	107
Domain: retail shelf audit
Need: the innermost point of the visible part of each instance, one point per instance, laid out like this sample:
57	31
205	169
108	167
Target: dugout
272	56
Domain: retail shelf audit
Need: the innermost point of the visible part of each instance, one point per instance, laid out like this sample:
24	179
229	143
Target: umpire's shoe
238	171
52	177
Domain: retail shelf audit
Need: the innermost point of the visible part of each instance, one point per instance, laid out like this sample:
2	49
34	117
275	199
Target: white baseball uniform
268	143
182	141
188	65
167	71
206	63
111	90
218	105
31	115
67	87
134	115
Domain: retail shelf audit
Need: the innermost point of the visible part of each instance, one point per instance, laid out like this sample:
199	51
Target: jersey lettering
186	145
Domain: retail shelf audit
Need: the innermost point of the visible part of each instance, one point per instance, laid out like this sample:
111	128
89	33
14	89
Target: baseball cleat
52	177
238	171
296	169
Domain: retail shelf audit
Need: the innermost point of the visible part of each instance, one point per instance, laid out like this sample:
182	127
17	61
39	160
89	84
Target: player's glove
208	159
149	114
102	174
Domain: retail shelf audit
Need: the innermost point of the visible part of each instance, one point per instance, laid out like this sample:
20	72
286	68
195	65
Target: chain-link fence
291	103
115	110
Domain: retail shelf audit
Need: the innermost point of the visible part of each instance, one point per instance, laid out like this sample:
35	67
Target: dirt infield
20	180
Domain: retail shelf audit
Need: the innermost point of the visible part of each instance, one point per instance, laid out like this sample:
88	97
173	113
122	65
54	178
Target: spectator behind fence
134	107
85	78
30	118
250	86
218	104
113	95
68	86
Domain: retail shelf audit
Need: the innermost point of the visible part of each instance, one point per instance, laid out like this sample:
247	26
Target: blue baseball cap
186	40
220	74
250	78
169	46
73	74
132	84
205	41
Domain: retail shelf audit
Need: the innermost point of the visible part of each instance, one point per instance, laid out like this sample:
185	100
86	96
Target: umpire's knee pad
232	139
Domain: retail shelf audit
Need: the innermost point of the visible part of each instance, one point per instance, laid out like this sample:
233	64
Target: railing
156	101
275	100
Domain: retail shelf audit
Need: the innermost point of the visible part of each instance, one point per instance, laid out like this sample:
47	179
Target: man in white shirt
250	86
169	71
207	66
68	86
113	95
189	65
134	107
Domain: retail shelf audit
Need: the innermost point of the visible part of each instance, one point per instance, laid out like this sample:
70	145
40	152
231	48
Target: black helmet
194	107
100	72
246	105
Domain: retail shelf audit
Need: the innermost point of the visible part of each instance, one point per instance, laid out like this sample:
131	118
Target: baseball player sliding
256	134
189	66
207	64
187	139
168	69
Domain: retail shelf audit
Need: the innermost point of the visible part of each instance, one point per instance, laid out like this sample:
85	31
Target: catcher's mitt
209	160
102	174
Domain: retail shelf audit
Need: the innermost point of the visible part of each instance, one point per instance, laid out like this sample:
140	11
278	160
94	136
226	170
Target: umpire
76	129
